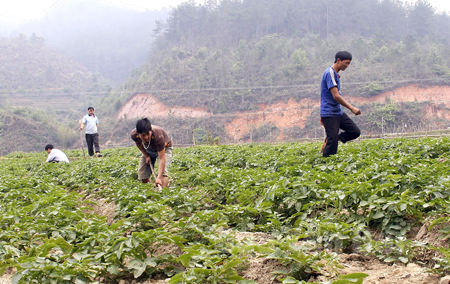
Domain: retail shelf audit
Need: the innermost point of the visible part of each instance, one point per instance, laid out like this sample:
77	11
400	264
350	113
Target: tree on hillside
420	18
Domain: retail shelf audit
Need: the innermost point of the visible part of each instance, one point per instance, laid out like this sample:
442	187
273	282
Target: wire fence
45	93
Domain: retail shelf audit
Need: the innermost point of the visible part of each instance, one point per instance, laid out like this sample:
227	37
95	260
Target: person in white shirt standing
55	155
91	122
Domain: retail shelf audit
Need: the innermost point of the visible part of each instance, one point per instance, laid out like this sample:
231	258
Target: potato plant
51	234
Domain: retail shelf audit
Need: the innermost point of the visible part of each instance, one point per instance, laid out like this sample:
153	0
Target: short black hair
48	146
90	108
143	126
342	55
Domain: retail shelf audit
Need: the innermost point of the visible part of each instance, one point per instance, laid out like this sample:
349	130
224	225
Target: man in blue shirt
332	115
91	122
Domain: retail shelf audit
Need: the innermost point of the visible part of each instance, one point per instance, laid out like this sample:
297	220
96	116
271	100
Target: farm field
378	212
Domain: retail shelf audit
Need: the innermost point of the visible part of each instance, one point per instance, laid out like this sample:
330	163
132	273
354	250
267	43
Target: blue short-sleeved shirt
329	107
91	123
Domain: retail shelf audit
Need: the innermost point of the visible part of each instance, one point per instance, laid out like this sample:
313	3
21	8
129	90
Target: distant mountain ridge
28	64
100	36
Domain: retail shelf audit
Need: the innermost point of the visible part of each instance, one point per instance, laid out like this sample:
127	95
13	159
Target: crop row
50	233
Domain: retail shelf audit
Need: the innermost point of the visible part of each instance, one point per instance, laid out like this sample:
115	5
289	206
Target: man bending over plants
332	116
154	143
55	155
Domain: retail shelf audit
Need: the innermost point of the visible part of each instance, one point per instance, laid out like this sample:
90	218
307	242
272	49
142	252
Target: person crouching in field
154	143
55	155
332	115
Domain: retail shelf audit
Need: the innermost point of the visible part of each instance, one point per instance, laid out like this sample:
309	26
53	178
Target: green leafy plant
394	249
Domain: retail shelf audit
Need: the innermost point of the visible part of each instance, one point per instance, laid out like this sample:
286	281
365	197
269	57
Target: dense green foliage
232	55
224	23
50	234
29	130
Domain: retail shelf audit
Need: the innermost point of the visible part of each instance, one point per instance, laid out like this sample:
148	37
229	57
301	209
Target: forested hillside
28	64
241	53
229	56
42	95
29	130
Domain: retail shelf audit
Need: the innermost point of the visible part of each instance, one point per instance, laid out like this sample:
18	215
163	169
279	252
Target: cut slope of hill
410	93
285	115
144	105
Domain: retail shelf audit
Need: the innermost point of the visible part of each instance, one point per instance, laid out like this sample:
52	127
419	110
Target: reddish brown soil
436	95
291	113
281	114
410	93
146	105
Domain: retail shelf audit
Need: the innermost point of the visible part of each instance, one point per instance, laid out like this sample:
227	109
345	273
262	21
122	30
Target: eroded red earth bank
286	114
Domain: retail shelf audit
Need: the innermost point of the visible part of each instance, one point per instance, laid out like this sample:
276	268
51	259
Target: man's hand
158	181
148	160
356	111
79	129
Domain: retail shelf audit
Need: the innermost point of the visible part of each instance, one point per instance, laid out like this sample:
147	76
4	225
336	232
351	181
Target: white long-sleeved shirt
57	156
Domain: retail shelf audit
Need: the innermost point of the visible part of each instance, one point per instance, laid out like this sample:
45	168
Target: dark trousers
332	125
92	140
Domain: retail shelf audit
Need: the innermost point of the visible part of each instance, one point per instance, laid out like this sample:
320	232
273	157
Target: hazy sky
20	10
